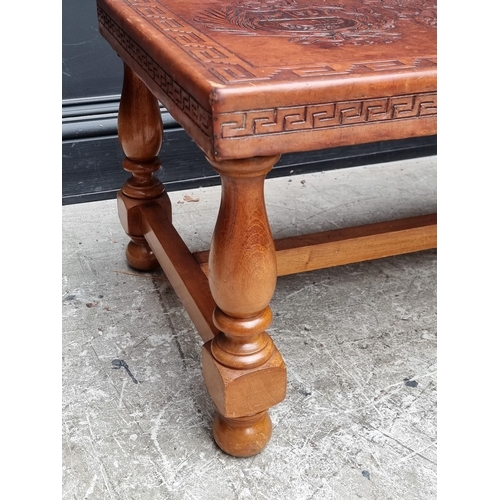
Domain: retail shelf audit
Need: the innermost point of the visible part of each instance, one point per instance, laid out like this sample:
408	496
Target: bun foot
140	256
242	437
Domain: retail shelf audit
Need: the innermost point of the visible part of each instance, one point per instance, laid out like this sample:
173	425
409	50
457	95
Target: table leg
140	132
244	372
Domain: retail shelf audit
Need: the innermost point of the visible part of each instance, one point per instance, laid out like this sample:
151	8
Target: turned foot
242	437
140	256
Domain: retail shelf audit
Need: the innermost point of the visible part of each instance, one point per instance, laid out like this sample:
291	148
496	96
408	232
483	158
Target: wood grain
243	371
346	246
182	270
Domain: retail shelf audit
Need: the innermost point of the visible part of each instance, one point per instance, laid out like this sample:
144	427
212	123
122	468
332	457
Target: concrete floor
359	420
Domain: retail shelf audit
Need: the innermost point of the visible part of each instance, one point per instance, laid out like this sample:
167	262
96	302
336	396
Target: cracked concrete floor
359	341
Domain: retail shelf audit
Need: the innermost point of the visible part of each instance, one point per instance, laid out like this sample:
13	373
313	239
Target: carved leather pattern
222	63
420	11
312	24
184	101
329	115
375	22
230	69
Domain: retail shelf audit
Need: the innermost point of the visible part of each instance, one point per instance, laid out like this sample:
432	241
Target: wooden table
249	80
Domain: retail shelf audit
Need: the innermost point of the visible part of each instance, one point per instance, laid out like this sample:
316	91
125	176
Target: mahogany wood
249	81
338	247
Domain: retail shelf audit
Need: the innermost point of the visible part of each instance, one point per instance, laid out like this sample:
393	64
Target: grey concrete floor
359	341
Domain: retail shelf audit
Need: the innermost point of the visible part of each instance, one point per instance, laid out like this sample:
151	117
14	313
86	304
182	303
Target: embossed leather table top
248	78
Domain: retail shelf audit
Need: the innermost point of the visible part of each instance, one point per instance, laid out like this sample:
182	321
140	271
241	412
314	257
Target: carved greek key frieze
328	115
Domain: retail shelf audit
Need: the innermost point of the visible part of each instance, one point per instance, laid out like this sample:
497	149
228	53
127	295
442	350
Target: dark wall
91	156
89	66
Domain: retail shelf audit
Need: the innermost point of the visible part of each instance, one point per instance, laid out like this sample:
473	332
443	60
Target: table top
258	77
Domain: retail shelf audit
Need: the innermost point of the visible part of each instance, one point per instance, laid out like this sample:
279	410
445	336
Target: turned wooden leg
244	372
140	132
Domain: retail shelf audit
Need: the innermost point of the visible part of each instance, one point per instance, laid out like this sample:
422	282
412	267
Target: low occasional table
249	80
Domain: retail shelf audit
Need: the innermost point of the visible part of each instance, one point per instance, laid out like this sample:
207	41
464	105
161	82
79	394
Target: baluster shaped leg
244	372
140	132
